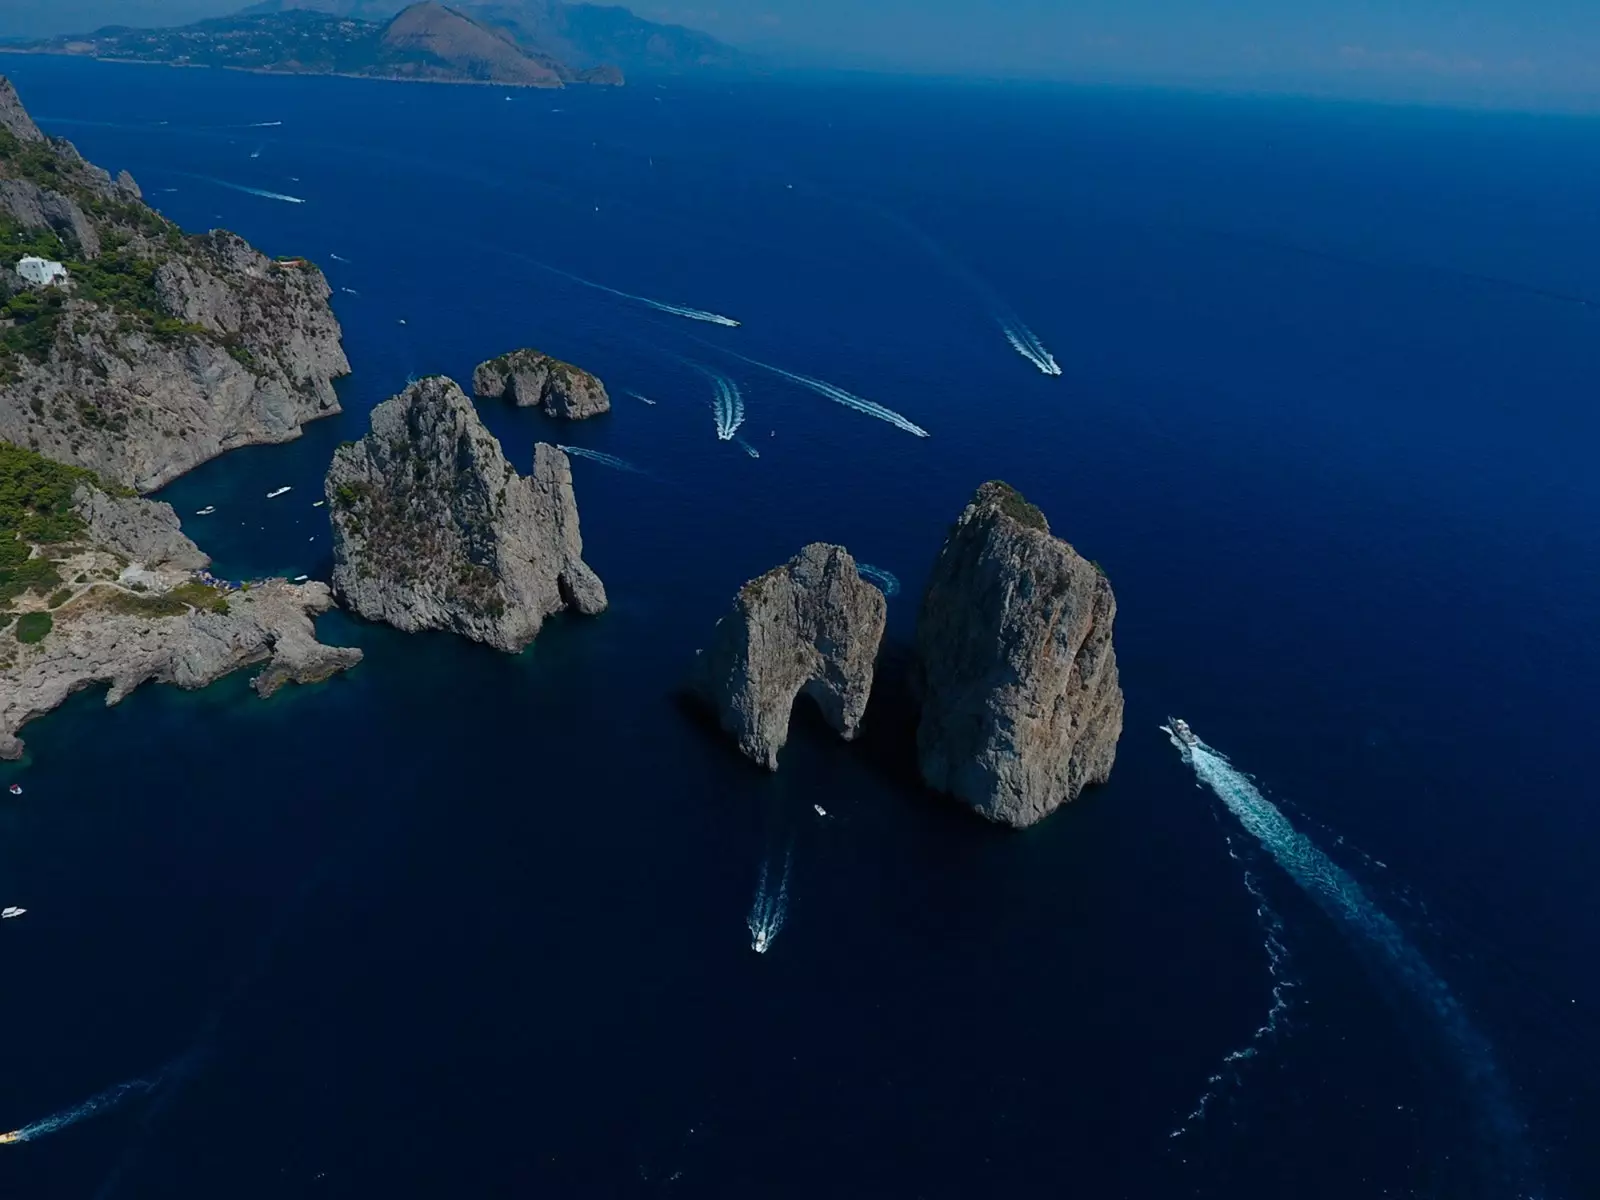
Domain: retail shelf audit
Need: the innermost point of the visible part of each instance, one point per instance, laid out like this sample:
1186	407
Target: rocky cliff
530	379
812	627
100	588
1017	677
434	529
163	349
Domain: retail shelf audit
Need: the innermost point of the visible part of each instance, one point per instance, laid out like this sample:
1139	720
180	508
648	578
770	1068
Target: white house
41	272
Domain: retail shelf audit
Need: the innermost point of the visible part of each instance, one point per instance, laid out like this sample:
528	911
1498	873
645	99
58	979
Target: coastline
556	85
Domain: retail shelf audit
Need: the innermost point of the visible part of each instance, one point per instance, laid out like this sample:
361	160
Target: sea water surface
467	924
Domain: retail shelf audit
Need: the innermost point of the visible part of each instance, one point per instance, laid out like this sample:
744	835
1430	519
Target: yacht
16	789
277	492
7	913
206	511
821	812
1180	730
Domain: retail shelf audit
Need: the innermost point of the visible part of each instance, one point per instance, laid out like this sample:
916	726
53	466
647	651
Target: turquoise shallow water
460	923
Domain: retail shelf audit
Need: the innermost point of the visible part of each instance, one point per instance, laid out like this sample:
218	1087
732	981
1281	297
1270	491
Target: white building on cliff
41	272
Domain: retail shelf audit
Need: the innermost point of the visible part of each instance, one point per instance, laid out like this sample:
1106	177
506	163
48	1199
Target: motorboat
13	911
1179	729
821	812
16	789
760	944
206	511
276	492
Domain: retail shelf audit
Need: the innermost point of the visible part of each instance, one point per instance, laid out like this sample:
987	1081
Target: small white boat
15	789
206	511
760	944
1180	730
301	578
277	492
319	504
821	812
13	911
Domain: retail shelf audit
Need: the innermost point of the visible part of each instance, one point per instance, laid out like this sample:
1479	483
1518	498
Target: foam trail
249	191
839	396
263	124
747	448
256	153
727	403
99	1103
883	580
349	291
609	460
1338	894
1026	343
338	258
642	399
770	907
676	310
1228	1073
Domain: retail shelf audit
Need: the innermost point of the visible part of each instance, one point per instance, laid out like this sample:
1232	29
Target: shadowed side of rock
530	379
434	529
1015	669
812	626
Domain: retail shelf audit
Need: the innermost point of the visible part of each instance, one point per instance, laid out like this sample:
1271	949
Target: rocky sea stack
153	350
530	379
1021	706
434	529
102	589
812	627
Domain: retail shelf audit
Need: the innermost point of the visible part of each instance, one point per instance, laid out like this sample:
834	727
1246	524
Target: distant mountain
426	41
583	34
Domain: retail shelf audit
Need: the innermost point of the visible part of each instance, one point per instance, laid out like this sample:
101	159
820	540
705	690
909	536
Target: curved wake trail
883	580
1228	1074
1338	894
771	905
839	396
239	187
609	460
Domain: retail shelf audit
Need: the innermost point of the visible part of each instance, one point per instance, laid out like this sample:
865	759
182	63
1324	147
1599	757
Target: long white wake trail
838	395
1337	893
727	403
771	905
599	456
676	310
239	187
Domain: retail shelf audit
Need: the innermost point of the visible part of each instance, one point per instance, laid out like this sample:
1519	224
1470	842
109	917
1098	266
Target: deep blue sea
464	924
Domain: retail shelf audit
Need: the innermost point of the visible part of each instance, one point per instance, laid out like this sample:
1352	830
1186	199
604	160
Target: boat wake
338	258
1229	1073
839	396
100	1102
676	310
883	580
1338	894
1026	343
771	905
249	191
747	448
642	399
256	153
608	460
727	402
263	124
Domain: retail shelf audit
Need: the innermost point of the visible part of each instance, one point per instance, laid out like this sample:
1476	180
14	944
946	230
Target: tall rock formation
812	627
434	529
530	379
1021	706
163	349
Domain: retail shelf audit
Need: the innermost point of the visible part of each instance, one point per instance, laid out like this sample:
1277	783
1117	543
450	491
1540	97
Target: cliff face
811	626
110	598
163	350
434	529
1021	706
531	379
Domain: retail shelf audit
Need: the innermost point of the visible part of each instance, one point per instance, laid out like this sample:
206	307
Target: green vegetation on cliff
35	510
34	627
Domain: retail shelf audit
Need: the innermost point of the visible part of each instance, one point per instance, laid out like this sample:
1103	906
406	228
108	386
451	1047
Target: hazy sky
1515	52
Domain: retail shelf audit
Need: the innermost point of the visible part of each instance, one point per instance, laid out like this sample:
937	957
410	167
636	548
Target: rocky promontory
434	529
159	349
531	379
1016	674
812	627
102	588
